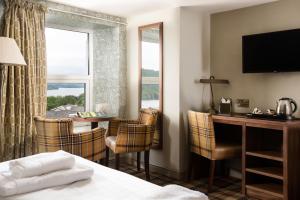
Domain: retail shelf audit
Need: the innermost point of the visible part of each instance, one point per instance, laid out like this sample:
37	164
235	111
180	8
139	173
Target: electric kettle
284	107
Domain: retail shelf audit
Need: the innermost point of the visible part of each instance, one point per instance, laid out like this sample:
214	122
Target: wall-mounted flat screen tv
272	52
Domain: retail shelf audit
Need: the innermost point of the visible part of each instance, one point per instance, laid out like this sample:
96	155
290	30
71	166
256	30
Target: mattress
106	183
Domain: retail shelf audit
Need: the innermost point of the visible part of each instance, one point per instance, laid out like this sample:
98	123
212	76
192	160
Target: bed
106	183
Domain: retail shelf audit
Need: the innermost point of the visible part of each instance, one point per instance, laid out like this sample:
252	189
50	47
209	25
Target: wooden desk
270	158
93	120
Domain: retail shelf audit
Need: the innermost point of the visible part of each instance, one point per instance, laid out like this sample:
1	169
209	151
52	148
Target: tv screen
272	52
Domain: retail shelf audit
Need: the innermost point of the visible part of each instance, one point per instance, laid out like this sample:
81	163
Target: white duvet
106	183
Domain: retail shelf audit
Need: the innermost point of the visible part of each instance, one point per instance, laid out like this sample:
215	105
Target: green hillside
150	73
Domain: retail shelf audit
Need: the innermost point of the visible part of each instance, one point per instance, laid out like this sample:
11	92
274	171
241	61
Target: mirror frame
142	28
157	144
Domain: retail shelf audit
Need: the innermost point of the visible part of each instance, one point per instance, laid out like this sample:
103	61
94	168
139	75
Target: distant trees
56	101
150	91
150	73
56	86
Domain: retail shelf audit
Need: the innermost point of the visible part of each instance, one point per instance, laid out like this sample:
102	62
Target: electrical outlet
243	103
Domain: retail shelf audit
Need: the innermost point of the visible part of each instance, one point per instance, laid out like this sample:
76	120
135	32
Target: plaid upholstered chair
57	134
127	136
203	142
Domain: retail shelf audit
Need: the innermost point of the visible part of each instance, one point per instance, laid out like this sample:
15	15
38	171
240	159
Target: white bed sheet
106	183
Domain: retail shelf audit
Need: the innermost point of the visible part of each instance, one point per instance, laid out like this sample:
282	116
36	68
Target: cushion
227	150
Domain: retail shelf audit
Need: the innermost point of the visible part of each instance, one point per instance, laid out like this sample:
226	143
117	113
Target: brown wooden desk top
242	119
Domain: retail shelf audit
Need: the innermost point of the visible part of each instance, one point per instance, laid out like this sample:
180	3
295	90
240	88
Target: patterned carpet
224	188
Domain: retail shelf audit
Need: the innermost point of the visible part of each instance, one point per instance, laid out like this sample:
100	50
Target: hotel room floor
224	188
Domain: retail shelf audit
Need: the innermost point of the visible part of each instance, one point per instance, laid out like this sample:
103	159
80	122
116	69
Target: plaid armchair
125	136
203	142
57	134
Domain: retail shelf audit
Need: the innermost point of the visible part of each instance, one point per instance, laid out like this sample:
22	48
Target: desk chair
203	143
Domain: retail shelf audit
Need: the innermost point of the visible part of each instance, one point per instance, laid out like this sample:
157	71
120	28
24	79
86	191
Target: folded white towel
41	164
176	192
12	186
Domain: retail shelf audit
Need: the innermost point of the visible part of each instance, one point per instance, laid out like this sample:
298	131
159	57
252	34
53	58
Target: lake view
65	92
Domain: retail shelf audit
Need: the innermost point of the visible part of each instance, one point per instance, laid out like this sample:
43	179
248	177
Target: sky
150	55
67	52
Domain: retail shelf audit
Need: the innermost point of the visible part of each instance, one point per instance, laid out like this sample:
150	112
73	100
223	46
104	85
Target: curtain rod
89	16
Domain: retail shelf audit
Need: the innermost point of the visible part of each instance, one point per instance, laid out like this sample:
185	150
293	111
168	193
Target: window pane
67	52
65	98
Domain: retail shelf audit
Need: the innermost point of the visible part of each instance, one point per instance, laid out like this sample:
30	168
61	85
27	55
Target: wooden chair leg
146	162
106	156
117	157
226	168
211	175
190	170
138	160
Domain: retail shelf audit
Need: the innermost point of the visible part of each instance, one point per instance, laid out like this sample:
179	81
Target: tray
268	116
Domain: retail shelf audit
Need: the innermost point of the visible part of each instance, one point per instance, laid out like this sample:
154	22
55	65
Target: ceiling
127	8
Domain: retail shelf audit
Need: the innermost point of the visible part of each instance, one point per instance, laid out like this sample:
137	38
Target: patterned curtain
22	89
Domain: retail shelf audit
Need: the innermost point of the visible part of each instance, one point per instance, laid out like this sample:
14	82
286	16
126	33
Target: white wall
227	29
194	64
169	157
186	59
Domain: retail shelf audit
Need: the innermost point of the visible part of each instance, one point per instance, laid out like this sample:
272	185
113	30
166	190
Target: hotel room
160	99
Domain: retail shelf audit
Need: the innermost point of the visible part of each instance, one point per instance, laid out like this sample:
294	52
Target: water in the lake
65	92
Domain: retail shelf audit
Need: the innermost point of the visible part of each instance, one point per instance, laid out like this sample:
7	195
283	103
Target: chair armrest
96	131
89	144
134	138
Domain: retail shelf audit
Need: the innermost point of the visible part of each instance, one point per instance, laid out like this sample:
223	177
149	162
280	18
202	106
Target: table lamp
211	81
10	53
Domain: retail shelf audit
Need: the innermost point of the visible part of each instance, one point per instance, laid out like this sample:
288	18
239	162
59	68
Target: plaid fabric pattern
134	138
134	135
158	136
57	134
113	126
202	134
146	117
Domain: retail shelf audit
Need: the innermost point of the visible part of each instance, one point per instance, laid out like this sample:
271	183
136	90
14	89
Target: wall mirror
151	72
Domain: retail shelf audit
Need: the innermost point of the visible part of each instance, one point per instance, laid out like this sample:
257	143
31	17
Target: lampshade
10	53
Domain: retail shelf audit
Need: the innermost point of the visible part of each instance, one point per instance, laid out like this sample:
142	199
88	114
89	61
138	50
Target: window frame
85	79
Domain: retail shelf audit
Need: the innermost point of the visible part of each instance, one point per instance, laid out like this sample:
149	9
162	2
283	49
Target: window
67	52
69	77
65	98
